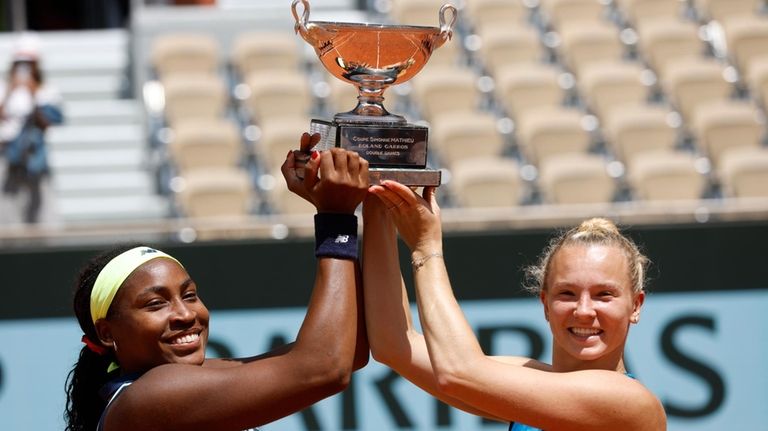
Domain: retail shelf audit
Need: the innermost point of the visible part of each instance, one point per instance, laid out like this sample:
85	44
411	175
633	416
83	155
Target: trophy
372	57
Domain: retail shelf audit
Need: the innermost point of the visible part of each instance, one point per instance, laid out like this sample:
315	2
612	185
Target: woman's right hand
417	217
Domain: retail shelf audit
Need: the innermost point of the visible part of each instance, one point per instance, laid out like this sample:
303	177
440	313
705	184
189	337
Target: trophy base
409	177
394	151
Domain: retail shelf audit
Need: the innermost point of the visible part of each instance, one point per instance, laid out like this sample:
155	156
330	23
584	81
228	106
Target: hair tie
93	347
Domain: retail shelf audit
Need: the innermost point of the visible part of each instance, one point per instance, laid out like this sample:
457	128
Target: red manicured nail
315	155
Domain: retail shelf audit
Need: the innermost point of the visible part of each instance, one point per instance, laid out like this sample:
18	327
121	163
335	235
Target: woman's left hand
334	180
417	217
294	167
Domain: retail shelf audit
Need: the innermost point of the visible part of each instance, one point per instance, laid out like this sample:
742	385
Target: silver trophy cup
372	57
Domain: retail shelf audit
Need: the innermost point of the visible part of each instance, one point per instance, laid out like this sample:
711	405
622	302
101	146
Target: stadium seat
459	136
504	45
722	9
632	130
746	39
486	182
484	13
547	132
284	201
216	192
565	12
605	86
639	11
576	179
416	12
276	95
445	89
528	86
205	143
186	53
691	82
720	126
278	136
194	97
263	50
665	175
662	40
758	80
585	44
743	172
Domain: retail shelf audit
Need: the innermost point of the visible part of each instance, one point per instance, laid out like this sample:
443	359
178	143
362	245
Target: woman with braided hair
590	281
143	366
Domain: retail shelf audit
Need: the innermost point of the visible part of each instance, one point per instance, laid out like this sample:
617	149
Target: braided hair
84	405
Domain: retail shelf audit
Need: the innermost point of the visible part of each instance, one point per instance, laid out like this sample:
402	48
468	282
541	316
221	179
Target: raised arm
329	344
592	399
394	340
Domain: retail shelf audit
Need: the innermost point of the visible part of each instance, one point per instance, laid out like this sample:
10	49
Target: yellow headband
114	274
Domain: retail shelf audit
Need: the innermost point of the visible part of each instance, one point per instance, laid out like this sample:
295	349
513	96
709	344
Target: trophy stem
370	103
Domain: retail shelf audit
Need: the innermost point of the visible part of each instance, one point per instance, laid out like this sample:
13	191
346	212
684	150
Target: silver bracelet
419	262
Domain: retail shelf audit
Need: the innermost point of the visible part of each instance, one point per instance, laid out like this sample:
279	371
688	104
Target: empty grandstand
603	80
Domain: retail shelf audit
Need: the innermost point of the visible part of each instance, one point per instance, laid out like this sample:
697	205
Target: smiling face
589	303
156	318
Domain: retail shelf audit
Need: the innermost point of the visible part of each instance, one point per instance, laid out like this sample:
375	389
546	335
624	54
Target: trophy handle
301	23
446	25
315	35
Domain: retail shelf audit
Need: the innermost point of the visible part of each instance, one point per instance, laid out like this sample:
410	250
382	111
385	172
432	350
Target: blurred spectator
27	107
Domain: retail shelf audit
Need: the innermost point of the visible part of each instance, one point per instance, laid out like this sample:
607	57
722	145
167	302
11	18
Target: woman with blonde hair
590	283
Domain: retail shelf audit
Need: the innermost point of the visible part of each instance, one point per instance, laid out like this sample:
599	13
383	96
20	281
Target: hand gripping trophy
372	57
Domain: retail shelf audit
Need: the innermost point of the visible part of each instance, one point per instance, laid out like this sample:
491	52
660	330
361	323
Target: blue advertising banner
704	354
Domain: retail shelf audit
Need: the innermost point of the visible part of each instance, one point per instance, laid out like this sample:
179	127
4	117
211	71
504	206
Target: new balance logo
341	239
